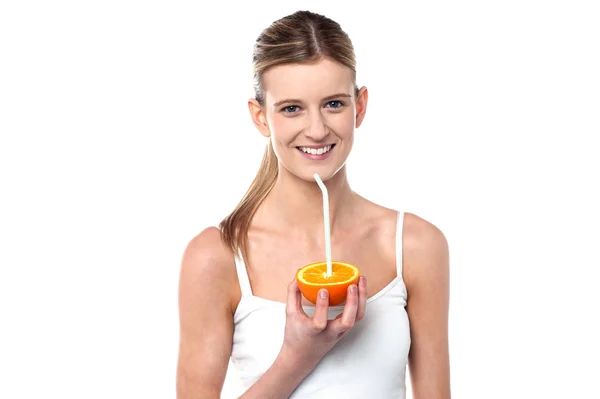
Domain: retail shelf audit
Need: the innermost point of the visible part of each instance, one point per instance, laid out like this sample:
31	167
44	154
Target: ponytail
234	228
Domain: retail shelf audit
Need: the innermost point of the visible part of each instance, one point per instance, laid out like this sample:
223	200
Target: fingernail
323	294
362	281
353	289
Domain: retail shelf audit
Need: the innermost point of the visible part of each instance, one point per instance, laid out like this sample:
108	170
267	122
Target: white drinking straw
326	223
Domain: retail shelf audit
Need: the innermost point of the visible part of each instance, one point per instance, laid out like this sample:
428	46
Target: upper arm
205	316
427	281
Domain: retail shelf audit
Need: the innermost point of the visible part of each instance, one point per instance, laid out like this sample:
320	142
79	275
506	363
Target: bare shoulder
207	259
422	235
207	248
425	249
421	238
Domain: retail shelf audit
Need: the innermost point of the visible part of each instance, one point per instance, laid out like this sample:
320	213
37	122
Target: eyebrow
328	98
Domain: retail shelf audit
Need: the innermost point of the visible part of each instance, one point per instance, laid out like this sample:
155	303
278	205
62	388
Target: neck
297	205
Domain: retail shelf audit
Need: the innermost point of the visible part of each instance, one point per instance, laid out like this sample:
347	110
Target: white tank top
368	362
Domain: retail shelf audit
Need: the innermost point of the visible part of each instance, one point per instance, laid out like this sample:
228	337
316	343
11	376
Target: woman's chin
325	174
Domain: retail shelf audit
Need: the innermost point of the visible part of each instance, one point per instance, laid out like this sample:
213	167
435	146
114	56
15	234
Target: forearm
279	381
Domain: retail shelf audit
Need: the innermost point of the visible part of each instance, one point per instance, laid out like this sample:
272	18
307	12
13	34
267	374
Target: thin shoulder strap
399	231
242	274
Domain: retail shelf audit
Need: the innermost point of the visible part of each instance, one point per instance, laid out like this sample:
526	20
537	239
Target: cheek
285	128
342	125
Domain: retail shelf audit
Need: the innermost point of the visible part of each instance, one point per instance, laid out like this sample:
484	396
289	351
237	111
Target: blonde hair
302	37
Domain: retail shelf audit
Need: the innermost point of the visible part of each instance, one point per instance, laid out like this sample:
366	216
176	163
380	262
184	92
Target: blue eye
335	104
290	109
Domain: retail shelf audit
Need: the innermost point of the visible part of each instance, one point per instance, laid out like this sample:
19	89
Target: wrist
282	378
289	362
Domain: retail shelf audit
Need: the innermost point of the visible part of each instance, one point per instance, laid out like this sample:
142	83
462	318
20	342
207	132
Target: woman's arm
207	278
426	274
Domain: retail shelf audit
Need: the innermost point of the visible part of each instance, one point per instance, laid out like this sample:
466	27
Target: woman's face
309	113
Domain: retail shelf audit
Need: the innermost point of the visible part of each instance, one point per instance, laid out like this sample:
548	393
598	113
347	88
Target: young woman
238	294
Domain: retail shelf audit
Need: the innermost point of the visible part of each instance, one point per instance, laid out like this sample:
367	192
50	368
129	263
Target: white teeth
316	151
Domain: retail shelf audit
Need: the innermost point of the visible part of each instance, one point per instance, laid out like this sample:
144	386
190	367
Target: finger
293	298
346	321
321	310
362	297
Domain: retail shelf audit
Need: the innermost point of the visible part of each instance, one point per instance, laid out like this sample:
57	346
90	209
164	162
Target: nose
317	129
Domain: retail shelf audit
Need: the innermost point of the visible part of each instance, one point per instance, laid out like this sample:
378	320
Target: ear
258	116
362	98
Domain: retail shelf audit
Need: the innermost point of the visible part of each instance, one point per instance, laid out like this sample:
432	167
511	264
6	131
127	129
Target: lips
316	150
316	153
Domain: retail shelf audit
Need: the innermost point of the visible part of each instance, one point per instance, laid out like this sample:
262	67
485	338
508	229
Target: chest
272	266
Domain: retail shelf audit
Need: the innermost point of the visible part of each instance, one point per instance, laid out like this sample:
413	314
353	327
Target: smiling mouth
316	151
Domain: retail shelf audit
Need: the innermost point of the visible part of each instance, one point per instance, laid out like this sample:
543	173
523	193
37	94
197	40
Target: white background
124	132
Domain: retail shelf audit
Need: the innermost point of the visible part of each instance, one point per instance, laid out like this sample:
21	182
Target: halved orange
311	278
